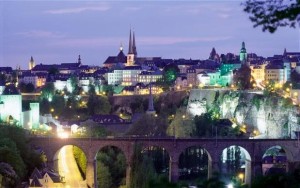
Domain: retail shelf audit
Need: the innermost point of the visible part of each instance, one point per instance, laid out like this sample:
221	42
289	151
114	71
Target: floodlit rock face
273	117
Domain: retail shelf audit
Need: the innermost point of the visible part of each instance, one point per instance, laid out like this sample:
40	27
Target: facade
11	106
130	75
37	79
275	73
115	77
258	72
11	109
147	77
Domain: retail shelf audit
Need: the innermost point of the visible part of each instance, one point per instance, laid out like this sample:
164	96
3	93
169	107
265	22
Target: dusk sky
58	31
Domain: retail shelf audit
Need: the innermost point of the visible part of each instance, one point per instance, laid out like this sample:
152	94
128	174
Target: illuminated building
11	109
11	105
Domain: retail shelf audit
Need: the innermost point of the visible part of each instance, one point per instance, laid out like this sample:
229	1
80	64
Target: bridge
255	149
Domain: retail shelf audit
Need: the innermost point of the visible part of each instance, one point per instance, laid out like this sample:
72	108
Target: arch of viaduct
255	147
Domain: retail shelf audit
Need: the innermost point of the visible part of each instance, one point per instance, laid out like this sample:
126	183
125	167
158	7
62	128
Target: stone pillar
214	168
128	174
90	173
174	171
248	171
209	169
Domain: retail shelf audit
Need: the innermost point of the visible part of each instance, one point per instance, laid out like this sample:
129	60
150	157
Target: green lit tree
48	91
272	14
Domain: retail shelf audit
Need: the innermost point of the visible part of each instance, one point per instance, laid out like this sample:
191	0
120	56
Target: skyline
57	32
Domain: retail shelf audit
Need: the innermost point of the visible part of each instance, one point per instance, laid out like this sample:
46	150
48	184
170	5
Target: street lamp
241	177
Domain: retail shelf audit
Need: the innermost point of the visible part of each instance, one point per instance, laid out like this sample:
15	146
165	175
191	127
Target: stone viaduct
255	150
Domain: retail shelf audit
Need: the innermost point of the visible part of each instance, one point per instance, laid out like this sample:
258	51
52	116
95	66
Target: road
68	168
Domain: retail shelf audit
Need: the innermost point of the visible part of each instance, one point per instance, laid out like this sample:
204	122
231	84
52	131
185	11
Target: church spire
79	59
150	104
133	45
130	49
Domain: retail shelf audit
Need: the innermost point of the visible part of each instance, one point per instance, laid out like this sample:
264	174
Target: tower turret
31	63
243	53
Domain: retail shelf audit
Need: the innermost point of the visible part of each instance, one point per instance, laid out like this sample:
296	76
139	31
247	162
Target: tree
243	79
272	14
10	154
204	125
181	126
103	176
149	125
48	91
98	105
115	161
58	103
170	72
8	176
142	170
93	129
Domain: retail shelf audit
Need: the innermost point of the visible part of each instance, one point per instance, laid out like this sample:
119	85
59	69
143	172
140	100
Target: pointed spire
284	52
150	104
79	59
130	49
243	44
133	45
31	59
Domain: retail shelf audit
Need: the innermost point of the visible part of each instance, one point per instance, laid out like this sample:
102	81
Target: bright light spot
230	185
241	176
63	135
234	125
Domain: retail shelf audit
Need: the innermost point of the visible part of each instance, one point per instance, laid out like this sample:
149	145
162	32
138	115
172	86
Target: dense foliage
149	125
111	167
80	159
16	155
273	14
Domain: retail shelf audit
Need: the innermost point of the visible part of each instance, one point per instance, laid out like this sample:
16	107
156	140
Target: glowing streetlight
241	177
230	185
183	116
52	109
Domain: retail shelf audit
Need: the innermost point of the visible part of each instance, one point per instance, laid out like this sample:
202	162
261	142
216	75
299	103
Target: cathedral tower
131	50
31	63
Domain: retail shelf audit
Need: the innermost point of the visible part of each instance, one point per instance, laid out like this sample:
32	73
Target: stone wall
271	116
